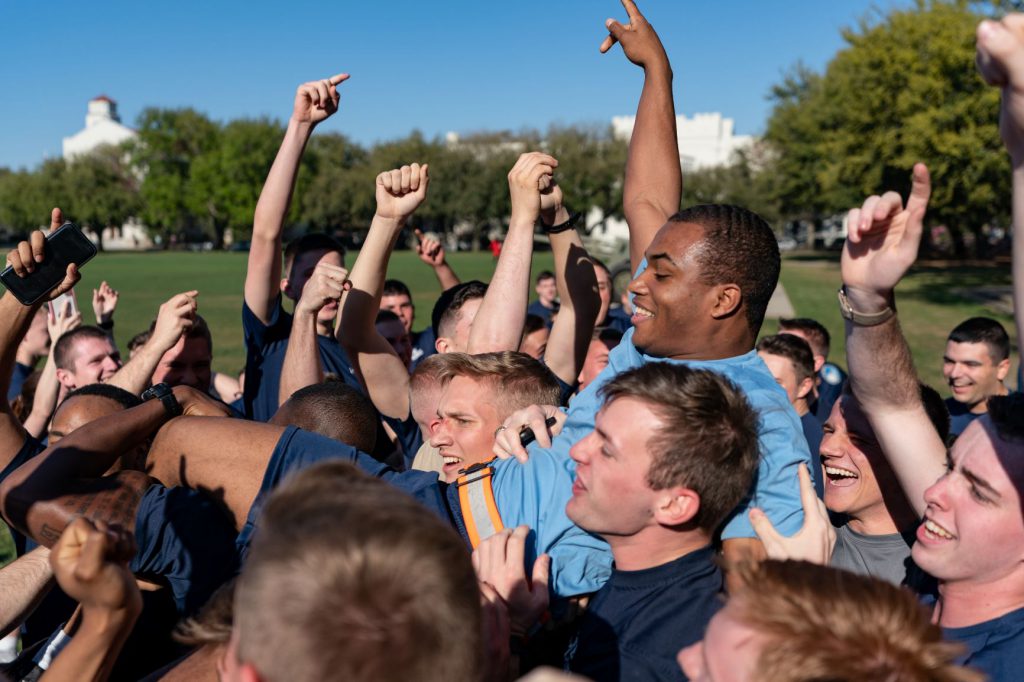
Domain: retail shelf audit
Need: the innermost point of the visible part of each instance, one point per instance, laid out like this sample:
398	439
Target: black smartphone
65	245
527	436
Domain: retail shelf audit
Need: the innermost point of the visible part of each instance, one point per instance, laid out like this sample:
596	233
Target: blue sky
427	65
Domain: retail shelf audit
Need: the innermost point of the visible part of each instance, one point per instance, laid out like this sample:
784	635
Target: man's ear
728	298
65	379
805	387
442	344
819	362
676	506
286	287
1002	369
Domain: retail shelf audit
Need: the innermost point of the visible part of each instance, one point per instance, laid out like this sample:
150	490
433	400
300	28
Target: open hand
401	191
499	562
59	322
104	302
316	101
815	539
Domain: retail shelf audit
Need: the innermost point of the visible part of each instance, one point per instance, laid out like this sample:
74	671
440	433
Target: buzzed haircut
534	323
738	247
543	275
1007	415
198	330
314	241
794	349
428	371
816	334
983	330
449	304
708	438
334	409
124	398
63	350
518	380
822	623
394	287
349	578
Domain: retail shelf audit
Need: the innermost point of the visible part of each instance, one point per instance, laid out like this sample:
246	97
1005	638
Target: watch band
562	227
166	396
862	319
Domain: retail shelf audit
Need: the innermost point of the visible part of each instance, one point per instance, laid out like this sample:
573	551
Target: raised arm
314	102
1001	62
499	322
881	246
176	316
48	387
654	182
301	365
577	292
431	252
399	193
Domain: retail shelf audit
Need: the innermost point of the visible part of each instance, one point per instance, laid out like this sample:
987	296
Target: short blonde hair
822	623
518	379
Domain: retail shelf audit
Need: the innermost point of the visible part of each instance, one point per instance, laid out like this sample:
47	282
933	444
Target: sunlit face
671	304
95	360
594	363
187	363
973	530
546	291
396	334
785	374
604	291
459	340
302	269
850	456
729	651
400	305
610	495
469	419
972	374
535	343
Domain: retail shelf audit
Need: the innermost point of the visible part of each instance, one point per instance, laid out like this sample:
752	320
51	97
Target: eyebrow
606	439
661	256
980	482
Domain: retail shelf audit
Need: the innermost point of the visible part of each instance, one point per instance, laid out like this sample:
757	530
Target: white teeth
642	311
836	471
936	529
451	460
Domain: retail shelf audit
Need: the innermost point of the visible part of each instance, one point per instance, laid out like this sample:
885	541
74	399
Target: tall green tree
102	189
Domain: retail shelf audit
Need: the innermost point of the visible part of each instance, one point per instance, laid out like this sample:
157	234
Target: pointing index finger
338	79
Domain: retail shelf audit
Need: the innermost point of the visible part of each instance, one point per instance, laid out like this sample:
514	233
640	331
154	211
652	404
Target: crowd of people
563	489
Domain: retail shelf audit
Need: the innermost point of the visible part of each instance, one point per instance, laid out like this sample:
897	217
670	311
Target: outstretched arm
431	252
48	387
301	365
654	182
577	291
314	102
881	246
399	193
499	322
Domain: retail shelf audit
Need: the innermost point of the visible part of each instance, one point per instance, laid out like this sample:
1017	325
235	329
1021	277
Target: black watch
166	396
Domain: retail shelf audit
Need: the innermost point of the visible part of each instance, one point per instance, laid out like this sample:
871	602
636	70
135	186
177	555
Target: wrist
110	622
389	222
868	301
299	126
555	215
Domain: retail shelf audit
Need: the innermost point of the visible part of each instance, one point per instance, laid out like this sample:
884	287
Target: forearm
45	399
653	184
498	324
1018	250
301	366
94	648
135	375
577	290
23	584
446	277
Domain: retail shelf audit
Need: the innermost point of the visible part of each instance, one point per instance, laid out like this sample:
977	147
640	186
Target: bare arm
431	252
23	584
176	317
654	184
399	193
882	245
499	322
577	291
314	102
48	387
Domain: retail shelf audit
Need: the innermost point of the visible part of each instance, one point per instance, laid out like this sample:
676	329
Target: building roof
103	98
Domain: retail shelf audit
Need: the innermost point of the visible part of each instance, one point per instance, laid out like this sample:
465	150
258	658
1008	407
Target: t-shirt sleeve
409	436
29	449
186	539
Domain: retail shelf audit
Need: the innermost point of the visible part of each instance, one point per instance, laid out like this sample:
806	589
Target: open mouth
451	463
840	477
934	532
640	314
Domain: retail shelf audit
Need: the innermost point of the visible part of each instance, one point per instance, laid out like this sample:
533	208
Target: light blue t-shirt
535	494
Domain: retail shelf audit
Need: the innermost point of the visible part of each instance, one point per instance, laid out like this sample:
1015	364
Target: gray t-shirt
881	556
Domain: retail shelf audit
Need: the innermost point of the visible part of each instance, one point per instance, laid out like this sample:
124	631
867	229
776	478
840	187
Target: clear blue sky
428	65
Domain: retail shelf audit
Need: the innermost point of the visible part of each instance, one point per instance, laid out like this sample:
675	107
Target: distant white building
705	141
103	126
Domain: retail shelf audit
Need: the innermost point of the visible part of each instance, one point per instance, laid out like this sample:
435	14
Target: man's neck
721	343
981	407
965	603
654	546
873	522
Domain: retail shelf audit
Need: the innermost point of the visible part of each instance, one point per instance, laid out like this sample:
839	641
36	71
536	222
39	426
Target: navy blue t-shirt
29	449
617	319
995	647
186	540
829	390
409	436
813	434
423	345
18	376
265	347
960	416
637	623
536	308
